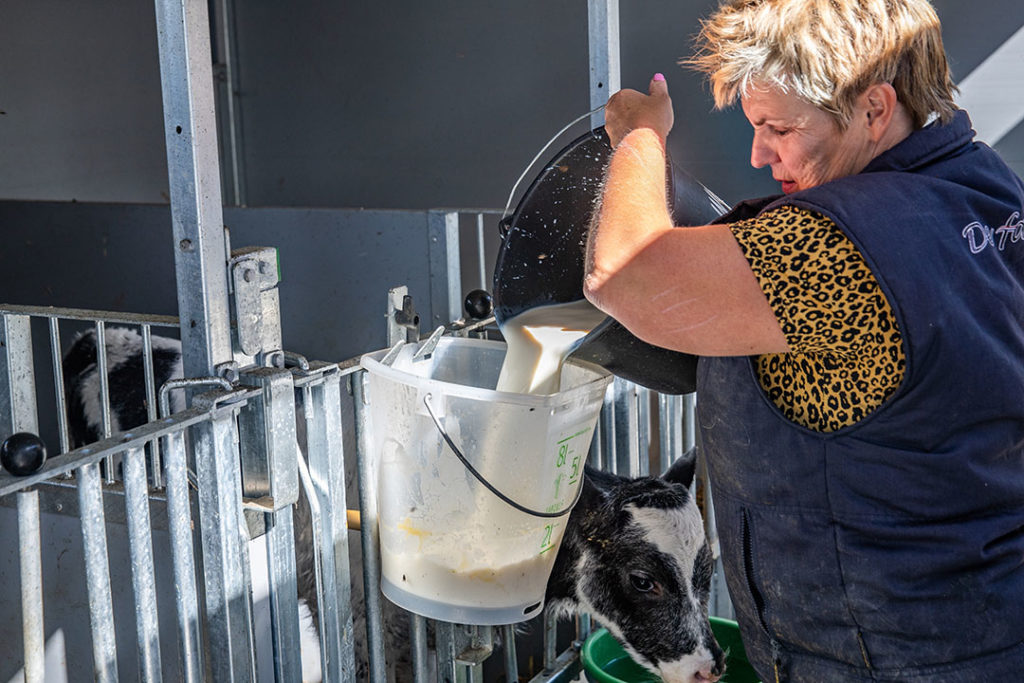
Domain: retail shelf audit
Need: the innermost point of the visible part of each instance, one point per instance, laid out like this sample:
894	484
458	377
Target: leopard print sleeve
846	354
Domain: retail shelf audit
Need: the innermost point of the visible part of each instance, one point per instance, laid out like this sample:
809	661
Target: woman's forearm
632	214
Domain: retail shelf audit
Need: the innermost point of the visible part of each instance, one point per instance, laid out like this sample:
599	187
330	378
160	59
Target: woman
861	384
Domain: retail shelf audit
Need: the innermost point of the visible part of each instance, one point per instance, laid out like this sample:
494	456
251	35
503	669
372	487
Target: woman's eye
780	131
641	583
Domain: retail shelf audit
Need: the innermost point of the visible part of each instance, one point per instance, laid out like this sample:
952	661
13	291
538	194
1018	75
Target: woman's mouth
788	186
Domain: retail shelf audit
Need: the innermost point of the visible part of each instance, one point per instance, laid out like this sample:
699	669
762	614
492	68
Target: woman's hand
629	109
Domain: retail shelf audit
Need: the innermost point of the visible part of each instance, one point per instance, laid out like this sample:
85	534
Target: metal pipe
420	661
30	553
193	169
550	639
509	644
140	545
97	573
149	378
225	560
481	252
603	31
643	430
58	382
369	535
101	365
179	521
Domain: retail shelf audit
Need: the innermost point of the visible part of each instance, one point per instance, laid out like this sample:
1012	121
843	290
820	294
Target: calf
633	553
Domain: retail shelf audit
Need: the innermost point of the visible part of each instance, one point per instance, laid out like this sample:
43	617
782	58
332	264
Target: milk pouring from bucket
475	484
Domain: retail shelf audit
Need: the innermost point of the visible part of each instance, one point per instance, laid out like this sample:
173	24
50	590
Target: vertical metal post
627	456
643	430
97	573
481	252
17	377
607	427
225	556
326	464
445	275
227	56
190	129
136	497
603	30
33	634
179	521
418	635
509	645
58	381
369	535
550	639
269	467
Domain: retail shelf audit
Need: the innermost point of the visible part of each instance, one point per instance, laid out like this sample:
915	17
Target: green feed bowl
604	660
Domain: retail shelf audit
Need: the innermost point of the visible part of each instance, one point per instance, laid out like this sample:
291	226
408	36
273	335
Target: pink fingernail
659	77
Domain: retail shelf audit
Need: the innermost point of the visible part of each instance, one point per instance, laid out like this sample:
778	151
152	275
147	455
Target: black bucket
542	256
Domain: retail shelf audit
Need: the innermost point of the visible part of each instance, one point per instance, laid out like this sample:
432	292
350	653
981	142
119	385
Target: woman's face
802	144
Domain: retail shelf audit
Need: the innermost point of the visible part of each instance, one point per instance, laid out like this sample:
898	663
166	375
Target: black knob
478	304
22	453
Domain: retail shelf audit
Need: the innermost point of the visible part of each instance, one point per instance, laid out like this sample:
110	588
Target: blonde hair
828	52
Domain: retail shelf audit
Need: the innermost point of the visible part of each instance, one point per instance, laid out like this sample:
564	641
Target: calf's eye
642	583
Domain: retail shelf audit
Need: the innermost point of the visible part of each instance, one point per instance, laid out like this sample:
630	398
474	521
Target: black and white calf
633	553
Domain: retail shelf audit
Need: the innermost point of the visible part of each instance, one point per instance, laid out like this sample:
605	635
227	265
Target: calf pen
228	468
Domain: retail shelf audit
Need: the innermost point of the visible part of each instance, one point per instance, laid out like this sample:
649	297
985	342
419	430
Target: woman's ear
878	105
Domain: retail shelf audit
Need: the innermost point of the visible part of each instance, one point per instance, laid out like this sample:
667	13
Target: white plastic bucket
451	549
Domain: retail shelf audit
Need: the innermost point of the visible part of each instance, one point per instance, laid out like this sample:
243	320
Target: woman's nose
761	154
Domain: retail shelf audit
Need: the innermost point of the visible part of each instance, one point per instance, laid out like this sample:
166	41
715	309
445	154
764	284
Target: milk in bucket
450	548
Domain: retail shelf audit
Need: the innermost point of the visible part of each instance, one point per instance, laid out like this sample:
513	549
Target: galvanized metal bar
327	469
643	430
17	377
149	378
31	561
607	424
93	453
627	453
190	129
224	541
550	638
102	370
97	573
420	659
140	545
89	315
179	522
269	468
370	533
603	32
481	252
689	419
58	383
445	274
228	57
670	428
583	627
284	605
449	670
508	641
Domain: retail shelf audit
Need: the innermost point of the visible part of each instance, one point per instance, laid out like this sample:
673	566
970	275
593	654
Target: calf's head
635	556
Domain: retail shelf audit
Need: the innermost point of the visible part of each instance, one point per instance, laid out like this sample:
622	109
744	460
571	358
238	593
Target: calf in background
633	553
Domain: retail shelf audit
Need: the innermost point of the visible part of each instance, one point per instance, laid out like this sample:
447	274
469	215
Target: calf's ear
681	471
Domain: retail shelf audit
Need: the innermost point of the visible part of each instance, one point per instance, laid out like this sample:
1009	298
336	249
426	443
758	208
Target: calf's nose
709	673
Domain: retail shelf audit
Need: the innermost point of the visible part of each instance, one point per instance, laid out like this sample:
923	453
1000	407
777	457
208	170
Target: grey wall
370	104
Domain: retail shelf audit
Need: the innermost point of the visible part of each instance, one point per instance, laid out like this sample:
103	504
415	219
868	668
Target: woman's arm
687	289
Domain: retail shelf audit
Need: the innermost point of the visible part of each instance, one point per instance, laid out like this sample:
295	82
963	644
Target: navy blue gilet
892	549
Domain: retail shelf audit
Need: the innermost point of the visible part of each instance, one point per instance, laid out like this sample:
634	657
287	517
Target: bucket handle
489	485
